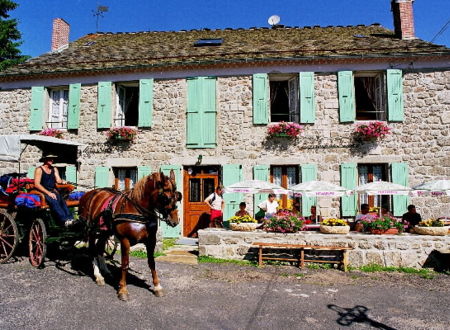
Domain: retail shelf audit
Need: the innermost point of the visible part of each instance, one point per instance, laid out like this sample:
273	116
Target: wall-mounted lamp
190	170
199	160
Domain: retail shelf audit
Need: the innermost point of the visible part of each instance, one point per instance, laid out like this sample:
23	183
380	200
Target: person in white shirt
269	206
216	203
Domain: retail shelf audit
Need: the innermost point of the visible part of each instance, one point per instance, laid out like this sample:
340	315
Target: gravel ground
220	296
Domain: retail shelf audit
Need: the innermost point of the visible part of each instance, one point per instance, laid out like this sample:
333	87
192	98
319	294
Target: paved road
224	296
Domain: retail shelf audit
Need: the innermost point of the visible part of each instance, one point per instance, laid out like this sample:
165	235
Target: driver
45	179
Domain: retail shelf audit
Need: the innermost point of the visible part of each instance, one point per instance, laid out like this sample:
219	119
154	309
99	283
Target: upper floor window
284	102
57	110
127	104
370	95
124	178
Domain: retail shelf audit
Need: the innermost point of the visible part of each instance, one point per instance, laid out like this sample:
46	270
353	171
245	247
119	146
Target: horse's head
165	197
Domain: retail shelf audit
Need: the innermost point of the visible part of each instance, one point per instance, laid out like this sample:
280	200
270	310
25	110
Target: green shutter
307	98
260	98
347	112
399	174
73	112
37	108
201	112
172	232
309	173
143	171
260	172
232	173
71	174
349	178
104	104
30	172
101	177
145	103
395	95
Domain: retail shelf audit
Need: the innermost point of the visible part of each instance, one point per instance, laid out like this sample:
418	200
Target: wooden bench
301	258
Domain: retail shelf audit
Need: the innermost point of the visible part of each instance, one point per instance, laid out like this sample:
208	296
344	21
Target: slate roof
117	52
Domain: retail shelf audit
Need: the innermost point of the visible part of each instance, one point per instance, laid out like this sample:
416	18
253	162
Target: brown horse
132	217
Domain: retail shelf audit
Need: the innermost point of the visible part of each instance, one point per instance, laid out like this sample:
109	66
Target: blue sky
35	16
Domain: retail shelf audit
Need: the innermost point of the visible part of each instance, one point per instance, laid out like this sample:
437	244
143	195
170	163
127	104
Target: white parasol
319	188
436	187
254	187
382	188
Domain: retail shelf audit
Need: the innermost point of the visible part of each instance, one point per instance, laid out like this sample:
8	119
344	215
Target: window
284	102
372	173
57	110
285	176
124	177
127	104
370	96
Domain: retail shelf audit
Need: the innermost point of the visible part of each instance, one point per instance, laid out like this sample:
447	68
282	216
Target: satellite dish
274	20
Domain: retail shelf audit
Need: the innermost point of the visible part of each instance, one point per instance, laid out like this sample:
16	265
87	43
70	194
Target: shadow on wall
357	314
202	223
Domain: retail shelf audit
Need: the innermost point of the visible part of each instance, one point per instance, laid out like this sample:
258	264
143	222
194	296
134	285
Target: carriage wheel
9	236
111	247
37	243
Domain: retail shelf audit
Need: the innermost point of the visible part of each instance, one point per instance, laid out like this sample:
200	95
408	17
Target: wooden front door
199	183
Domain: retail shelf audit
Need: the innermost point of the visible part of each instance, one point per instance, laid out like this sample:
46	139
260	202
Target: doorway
199	183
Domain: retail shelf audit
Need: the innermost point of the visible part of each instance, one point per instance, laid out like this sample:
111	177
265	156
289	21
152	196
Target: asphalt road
220	296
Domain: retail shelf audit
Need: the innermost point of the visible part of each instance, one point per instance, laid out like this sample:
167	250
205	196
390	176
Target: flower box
284	222
390	231
334	229
285	130
433	231
244	226
52	132
372	131
123	133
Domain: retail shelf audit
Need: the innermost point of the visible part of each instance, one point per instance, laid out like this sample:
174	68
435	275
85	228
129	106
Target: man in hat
45	179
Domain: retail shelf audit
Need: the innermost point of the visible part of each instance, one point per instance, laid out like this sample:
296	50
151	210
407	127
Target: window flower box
285	130
52	132
334	226
371	132
122	133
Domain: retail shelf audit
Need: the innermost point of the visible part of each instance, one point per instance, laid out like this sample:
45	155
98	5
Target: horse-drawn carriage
32	219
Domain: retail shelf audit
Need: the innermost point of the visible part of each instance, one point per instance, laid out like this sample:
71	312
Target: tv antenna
99	13
274	20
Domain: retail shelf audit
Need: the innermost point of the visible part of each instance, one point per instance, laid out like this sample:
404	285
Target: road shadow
357	314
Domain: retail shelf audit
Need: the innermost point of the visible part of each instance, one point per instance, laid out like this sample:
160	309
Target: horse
132	217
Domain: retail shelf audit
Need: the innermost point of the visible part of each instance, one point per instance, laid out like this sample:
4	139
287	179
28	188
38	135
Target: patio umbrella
254	187
435	187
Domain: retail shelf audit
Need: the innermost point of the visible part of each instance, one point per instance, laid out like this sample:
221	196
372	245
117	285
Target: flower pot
433	231
244	226
390	231
334	229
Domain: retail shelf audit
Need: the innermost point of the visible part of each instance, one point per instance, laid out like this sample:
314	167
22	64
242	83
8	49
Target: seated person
412	216
242	211
45	179
385	211
314	216
269	206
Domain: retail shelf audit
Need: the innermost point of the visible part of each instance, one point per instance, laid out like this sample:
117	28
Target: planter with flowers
283	129
382	225
123	133
284	222
371	132
243	223
334	226
53	132
431	227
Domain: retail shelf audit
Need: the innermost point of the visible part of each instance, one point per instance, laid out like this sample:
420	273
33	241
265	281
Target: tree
9	36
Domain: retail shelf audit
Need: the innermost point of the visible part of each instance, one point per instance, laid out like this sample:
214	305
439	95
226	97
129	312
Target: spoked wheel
9	236
111	247
37	243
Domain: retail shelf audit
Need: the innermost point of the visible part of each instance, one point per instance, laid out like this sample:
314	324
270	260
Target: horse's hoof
123	296
159	293
100	281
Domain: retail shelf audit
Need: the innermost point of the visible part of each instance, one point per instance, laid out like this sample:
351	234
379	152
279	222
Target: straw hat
47	156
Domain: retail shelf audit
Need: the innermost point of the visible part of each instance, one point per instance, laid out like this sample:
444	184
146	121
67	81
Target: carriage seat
63	188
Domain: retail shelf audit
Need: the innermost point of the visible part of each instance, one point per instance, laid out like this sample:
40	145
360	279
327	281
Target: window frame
119	115
385	176
63	107
293	85
382	96
128	182
285	182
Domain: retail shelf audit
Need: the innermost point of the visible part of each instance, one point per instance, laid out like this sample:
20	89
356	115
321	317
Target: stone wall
422	140
405	250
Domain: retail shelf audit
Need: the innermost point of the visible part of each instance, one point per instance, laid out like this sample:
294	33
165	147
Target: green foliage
423	272
168	243
9	36
212	260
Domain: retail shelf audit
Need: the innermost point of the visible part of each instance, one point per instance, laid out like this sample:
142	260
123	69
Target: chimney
60	34
403	18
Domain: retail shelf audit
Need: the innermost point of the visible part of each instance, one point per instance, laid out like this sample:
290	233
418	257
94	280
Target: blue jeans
59	207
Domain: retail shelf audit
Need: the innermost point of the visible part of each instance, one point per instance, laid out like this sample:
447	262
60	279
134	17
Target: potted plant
284	222
334	226
284	129
372	131
122	133
53	132
243	223
431	227
382	225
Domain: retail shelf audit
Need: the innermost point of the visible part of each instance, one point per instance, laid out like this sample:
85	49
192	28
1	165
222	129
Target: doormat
187	241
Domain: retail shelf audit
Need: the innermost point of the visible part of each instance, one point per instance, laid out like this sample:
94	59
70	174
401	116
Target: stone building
202	101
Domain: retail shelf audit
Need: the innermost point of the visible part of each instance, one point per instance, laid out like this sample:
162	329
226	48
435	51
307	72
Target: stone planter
433	231
390	231
244	226
334	229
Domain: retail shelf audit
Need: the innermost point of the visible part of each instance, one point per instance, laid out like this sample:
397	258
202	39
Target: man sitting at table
412	216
